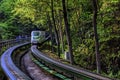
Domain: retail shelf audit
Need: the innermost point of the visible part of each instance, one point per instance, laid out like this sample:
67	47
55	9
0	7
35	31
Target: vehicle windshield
36	34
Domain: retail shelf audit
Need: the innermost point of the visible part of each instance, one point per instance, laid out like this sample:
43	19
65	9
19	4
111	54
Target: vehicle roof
38	31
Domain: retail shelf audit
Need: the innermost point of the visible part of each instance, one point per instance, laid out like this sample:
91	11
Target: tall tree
96	35
55	29
67	29
50	30
60	30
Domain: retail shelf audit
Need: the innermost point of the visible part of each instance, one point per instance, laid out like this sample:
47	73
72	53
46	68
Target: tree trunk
96	36
51	34
55	29
67	29
61	32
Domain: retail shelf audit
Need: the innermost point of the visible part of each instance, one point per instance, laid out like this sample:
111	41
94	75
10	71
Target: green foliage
6	6
8	32
34	10
108	30
17	16
108	22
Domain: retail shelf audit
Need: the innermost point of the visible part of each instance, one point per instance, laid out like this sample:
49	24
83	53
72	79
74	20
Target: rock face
34	71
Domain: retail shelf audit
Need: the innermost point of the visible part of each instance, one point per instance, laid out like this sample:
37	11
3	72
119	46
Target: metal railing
71	71
8	65
68	70
9	43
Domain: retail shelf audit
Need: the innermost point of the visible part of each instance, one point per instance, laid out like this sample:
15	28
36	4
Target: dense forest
88	29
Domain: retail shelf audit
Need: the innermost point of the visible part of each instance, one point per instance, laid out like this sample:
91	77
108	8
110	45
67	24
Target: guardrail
11	42
71	71
4	45
8	65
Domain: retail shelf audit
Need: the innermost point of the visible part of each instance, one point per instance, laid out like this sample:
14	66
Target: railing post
0	47
12	42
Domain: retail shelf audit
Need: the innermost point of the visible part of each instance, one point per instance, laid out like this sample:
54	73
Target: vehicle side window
36	34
